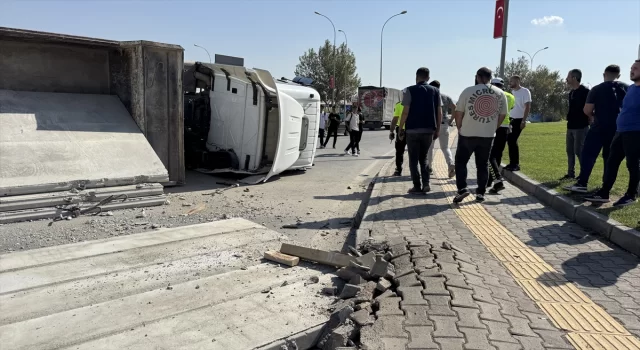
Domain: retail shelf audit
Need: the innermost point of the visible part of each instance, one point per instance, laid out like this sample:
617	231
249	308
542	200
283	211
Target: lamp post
344	69
334	54
381	33
534	55
205	50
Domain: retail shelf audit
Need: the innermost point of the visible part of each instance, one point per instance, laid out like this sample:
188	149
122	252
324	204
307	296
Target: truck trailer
377	105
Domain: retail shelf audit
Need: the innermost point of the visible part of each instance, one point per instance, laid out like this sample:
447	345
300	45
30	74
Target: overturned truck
90	124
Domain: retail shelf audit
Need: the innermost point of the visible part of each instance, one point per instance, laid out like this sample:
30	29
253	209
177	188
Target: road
320	202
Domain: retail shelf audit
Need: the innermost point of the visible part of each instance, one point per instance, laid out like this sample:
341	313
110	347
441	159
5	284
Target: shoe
426	188
578	188
397	173
497	187
355	154
452	171
479	198
511	167
568	177
598	197
414	190
347	153
430	170
624	201
462	194
334	147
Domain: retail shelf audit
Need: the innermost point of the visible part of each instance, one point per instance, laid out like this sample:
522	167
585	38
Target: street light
344	69
382	32
205	51
334	54
534	55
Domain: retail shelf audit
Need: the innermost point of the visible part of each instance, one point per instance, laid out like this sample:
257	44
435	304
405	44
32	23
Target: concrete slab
56	141
184	288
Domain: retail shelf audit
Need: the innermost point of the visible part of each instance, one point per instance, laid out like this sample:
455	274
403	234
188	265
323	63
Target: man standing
577	121
603	106
401	144
447	104
334	122
500	142
519	115
322	124
480	110
625	144
420	124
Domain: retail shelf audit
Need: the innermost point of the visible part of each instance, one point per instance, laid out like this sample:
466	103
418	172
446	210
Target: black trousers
353	136
400	146
512	140
332	131
624	145
481	148
499	143
418	147
357	140
321	135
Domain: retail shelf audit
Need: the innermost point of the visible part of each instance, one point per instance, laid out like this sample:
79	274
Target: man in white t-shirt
479	112
323	123
519	115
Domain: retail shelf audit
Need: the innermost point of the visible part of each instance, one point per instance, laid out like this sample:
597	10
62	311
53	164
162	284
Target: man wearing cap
401	144
480	110
500	141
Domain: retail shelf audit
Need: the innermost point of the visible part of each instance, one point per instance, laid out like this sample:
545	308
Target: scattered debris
354	251
281	258
316	255
330	290
290	226
200	207
349	291
266	290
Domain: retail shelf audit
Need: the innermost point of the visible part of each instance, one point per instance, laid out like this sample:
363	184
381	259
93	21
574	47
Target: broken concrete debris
281	258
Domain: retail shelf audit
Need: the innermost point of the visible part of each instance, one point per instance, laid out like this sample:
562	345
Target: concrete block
367	260
316	255
386	294
381	268
330	290
278	257
522	181
356	280
383	285
361	318
595	221
366	292
565	206
339	337
349	291
545	195
627	238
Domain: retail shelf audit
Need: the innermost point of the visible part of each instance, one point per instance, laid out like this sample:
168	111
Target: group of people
354	122
605	118
489	118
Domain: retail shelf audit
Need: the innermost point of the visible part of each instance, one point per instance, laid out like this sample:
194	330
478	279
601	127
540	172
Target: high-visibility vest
511	102
397	112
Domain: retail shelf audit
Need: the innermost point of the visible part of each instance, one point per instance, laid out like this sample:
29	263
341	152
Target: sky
453	38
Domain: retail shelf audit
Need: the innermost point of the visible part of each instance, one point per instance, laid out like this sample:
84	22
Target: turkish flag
498	23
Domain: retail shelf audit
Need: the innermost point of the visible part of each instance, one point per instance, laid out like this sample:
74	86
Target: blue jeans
418	146
597	139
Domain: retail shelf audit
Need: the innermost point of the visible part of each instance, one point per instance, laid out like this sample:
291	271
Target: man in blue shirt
625	144
420	124
603	106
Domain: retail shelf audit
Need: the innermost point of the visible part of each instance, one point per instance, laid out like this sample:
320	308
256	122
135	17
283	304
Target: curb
623	236
363	230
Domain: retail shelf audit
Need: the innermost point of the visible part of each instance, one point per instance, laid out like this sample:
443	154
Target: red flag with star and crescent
498	23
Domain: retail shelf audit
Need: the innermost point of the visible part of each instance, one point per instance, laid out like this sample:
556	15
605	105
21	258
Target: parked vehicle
377	105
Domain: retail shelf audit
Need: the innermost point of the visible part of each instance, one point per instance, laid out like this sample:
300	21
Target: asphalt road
319	202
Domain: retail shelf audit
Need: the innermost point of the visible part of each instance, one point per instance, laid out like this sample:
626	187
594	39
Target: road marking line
588	325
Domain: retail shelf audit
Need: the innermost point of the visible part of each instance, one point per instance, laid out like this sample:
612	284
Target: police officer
400	144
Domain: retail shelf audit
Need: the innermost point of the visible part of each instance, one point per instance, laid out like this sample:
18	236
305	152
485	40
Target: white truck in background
377	105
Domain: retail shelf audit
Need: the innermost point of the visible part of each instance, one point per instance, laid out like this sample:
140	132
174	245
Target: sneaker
397	173
414	190
462	194
452	171
568	177
347	152
430	170
597	198
426	188
624	201
479	198
511	167
497	187
355	154
577	188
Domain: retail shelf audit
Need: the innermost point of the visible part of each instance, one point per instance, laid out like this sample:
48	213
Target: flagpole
503	54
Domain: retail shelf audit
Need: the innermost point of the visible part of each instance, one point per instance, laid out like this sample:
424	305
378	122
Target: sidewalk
522	276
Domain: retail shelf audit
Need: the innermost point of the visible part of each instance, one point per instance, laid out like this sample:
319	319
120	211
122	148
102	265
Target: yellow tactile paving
587	324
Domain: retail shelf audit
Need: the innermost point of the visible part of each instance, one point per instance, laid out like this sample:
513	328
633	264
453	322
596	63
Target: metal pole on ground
381	33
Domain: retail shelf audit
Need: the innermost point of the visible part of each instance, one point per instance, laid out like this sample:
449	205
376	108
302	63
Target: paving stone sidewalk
471	301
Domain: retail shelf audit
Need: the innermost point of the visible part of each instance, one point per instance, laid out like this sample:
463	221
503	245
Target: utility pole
344	69
503	54
334	55
381	33
207	51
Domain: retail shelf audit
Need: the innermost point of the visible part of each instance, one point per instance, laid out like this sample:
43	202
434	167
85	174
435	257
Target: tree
548	89
319	67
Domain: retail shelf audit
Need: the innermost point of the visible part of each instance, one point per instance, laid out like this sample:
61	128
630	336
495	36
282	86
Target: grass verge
544	159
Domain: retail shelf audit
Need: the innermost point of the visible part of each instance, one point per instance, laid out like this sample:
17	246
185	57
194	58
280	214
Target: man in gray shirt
447	122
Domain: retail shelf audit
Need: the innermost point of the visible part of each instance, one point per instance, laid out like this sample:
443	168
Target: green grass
544	159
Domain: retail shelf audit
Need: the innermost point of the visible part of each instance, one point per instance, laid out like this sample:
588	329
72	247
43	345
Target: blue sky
453	38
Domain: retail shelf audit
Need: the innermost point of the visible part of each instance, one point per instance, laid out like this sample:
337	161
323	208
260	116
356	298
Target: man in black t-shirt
602	106
577	121
334	122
